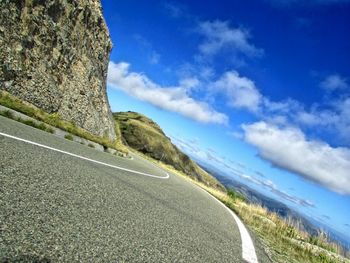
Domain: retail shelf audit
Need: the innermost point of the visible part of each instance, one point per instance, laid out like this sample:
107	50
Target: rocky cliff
144	135
54	54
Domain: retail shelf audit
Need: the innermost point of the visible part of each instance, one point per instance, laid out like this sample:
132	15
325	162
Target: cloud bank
175	99
334	82
289	149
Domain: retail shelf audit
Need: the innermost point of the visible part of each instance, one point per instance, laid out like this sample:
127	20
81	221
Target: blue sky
261	90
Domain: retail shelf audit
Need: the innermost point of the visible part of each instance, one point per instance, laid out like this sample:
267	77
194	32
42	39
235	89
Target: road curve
61	201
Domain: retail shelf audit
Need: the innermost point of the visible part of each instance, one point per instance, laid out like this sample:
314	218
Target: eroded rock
54	54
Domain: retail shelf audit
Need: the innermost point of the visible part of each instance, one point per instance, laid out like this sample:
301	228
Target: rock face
144	135
54	54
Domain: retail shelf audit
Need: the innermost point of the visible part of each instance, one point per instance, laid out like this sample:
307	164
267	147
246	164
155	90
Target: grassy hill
144	135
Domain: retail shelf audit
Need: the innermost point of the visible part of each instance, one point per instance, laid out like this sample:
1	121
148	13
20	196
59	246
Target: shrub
235	195
68	137
7	114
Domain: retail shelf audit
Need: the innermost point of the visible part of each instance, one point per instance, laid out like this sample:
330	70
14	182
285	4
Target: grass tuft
55	120
68	137
7	114
41	126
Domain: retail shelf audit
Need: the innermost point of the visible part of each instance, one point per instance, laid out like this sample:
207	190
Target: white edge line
84	158
248	250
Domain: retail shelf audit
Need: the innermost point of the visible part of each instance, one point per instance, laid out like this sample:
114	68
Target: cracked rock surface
54	54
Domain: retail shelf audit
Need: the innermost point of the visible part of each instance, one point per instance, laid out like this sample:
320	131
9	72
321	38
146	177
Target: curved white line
248	250
84	158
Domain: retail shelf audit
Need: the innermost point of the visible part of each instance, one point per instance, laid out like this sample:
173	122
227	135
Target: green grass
68	137
235	195
55	120
7	114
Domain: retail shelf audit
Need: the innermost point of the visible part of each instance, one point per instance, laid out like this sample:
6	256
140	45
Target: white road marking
84	158
248	250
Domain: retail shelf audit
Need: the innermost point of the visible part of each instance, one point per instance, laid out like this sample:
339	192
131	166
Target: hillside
145	136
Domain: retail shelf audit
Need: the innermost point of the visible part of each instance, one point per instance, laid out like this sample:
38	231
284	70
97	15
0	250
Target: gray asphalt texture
57	208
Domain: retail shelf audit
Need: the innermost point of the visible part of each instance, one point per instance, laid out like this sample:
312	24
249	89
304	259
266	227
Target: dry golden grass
282	239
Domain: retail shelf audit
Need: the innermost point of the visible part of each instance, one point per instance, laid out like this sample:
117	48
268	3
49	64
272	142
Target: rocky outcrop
54	54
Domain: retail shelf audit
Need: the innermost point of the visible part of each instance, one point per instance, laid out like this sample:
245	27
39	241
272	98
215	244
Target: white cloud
334	82
175	99
317	118
268	184
240	91
281	107
187	146
289	149
291	198
211	156
218	35
335	119
154	58
189	83
331	117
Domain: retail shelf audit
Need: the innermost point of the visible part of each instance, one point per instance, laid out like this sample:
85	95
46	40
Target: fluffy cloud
281	107
218	36
240	91
209	155
289	149
335	119
175	99
334	82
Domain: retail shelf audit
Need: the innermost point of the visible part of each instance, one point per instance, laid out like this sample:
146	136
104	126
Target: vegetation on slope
283	240
40	126
145	136
12	102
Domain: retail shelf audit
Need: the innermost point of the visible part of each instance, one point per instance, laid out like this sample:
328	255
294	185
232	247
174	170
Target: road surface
65	202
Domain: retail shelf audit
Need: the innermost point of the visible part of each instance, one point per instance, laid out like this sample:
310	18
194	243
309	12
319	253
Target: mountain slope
145	136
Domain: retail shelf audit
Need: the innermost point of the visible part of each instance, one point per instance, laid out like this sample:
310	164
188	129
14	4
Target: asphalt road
58	208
